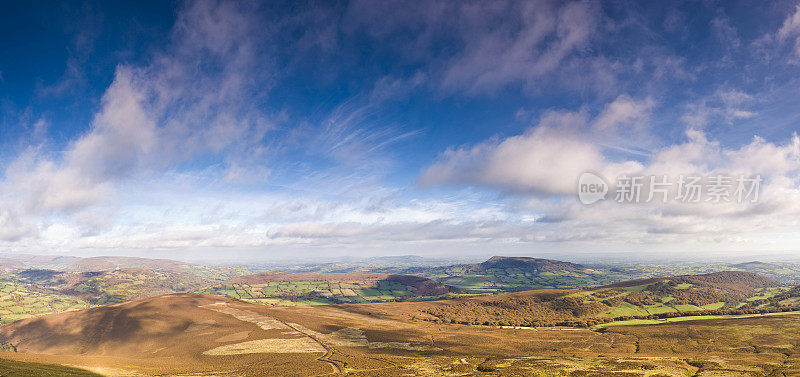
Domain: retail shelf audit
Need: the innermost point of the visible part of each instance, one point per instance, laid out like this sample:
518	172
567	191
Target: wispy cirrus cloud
268	128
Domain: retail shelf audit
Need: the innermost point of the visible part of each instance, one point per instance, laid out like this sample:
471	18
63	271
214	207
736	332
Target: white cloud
506	54
199	98
532	162
14	227
389	87
624	112
790	30
154	117
547	158
725	32
774	45
724	105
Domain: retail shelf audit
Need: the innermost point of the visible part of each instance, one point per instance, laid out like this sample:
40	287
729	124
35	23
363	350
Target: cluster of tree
699	290
557	310
538	317
729	280
640	298
531	311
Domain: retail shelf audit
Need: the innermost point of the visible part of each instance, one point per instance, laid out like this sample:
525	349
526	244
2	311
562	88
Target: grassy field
29	292
722	293
498	280
20	300
636	322
289	293
227	337
514	279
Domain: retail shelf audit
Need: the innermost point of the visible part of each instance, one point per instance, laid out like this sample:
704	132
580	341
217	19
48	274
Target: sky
210	130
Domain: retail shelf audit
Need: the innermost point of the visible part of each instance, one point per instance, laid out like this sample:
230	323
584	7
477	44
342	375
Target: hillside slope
172	333
284	288
112	286
190	335
513	274
715	293
526	264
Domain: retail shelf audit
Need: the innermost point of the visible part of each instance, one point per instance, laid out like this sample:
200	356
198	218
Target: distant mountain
41	261
11	263
111	263
78	264
756	265
395	261
527	264
268	277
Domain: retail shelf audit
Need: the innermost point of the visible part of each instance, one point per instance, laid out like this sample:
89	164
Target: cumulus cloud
155	116
176	129
14	227
547	158
532	162
624	114
543	164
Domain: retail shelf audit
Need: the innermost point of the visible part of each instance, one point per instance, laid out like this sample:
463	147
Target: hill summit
527	264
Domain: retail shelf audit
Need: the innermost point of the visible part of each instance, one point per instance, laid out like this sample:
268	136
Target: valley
164	318
191	334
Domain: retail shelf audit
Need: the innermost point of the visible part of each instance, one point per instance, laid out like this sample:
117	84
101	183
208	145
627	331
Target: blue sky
213	130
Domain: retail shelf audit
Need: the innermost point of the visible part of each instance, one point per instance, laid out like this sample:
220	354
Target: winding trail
329	351
270	323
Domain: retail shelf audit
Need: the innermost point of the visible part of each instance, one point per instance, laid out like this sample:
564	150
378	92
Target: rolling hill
194	334
526	264
11	263
161	334
26	292
110	263
726	292
112	286
281	288
513	274
20	300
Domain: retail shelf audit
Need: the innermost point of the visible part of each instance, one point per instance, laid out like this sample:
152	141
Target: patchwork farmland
288	289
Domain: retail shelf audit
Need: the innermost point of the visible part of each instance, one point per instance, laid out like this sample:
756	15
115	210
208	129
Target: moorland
503	316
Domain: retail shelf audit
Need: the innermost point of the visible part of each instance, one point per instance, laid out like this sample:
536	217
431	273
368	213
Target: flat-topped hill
535	265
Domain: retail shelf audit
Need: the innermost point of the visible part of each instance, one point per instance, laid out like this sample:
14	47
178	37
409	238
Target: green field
20	300
637	322
641	300
498	280
292	293
31	292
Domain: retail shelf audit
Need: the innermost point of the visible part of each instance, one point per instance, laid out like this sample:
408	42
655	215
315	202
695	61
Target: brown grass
198	334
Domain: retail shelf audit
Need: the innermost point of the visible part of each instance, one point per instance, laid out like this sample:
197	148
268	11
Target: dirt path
269	323
329	351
